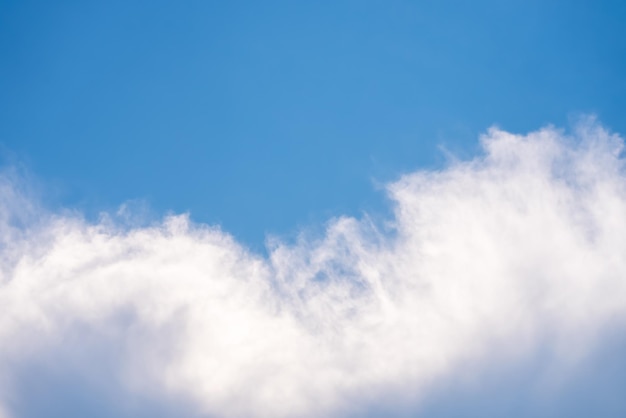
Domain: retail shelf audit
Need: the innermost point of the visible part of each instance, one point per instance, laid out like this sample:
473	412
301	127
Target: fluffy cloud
482	262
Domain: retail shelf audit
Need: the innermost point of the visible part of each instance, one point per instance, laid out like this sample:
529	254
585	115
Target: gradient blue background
268	116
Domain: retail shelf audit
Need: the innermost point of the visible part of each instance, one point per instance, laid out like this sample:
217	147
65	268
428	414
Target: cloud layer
484	261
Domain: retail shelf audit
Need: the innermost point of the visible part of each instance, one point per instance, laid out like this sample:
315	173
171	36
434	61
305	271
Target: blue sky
453	270
296	110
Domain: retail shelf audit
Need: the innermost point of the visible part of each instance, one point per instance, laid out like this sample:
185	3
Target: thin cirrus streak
485	259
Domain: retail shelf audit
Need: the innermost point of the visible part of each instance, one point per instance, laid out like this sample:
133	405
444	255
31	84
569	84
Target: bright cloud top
524	245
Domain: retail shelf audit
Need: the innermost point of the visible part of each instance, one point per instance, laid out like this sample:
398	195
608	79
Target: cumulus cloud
483	261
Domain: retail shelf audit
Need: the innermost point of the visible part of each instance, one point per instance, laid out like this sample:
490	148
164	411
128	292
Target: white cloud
483	261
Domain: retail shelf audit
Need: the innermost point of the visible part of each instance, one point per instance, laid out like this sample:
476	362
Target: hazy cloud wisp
482	261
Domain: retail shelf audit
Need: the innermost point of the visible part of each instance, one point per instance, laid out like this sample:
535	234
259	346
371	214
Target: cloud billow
484	261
